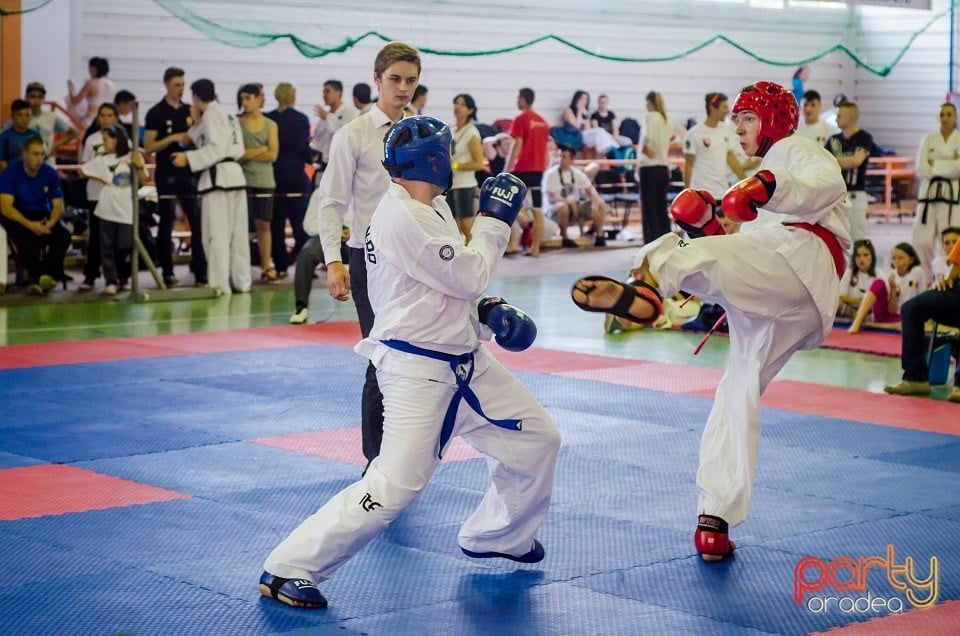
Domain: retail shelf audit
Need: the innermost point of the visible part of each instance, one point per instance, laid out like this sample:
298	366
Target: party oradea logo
866	584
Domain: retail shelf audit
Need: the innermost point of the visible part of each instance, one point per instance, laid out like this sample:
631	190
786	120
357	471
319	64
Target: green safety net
24	6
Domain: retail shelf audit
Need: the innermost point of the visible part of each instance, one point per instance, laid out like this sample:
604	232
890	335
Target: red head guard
775	106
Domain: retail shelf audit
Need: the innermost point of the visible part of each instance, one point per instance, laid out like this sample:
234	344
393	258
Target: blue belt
462	367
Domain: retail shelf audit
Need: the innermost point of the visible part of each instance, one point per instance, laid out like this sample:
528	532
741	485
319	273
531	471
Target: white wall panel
141	39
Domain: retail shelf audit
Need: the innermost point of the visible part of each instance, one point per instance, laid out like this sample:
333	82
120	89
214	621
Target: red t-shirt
534	131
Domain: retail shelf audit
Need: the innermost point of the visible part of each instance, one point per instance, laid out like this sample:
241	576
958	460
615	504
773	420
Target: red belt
830	240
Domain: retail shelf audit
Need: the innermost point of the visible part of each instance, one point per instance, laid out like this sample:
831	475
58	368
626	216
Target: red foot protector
712	538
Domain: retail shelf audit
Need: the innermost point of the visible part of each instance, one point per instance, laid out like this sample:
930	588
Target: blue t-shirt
12	143
31	194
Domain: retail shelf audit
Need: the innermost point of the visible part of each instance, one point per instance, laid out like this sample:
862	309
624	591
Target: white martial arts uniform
223	201
938	198
424	284
779	287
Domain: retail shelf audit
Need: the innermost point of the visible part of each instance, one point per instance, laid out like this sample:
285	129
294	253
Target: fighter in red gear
777	278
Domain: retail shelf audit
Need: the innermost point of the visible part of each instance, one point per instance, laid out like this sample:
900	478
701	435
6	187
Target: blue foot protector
293	592
535	555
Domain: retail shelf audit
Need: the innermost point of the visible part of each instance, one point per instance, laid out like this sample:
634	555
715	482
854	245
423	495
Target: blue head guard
418	148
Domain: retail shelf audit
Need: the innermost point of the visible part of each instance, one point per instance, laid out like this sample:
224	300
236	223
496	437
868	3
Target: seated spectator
31	203
572	197
886	297
858	278
940	265
14	139
605	118
309	258
47	123
577	115
942	304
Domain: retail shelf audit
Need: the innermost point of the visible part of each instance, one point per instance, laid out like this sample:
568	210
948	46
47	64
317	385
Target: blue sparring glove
501	197
513	330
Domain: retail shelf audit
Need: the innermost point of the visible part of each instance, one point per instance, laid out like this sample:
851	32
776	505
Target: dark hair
361	92
873	257
18	105
419	91
101	65
950	230
469	103
204	89
796	73
124	96
527	94
576	98
33	141
123	142
714	99
171	72
248	89
108	106
907	249
564	149
811	96
949	105
336	85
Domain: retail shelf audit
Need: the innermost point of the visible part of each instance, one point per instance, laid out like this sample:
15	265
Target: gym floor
152	454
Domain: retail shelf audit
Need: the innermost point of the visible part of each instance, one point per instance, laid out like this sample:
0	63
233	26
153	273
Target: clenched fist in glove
501	197
742	199
512	329
696	212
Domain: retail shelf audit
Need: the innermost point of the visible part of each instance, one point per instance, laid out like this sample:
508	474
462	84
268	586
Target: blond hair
285	93
393	53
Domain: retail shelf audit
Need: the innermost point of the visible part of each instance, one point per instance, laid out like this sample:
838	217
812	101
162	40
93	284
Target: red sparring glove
741	200
696	212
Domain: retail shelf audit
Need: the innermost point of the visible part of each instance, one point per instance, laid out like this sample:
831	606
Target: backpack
567	136
623	153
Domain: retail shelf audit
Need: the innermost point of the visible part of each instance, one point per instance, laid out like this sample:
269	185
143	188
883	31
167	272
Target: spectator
419	101
811	126
47	123
852	148
710	150
95	91
829	117
528	157
355	179
577	115
941	304
572	197
113	169
124	103
941	267
92	148
800	76
293	185
31	203
339	115
466	152
361	98
223	205
309	258
658	130
166	127
605	118
261	145
938	165
858	278
886	297
13	140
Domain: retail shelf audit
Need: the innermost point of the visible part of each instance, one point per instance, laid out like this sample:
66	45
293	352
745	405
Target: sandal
269	275
628	293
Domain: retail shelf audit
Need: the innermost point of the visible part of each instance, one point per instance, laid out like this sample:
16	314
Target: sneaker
268	276
600	242
87	284
110	290
909	388
568	243
46	283
299	317
35	290
954	395
171	281
281	275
